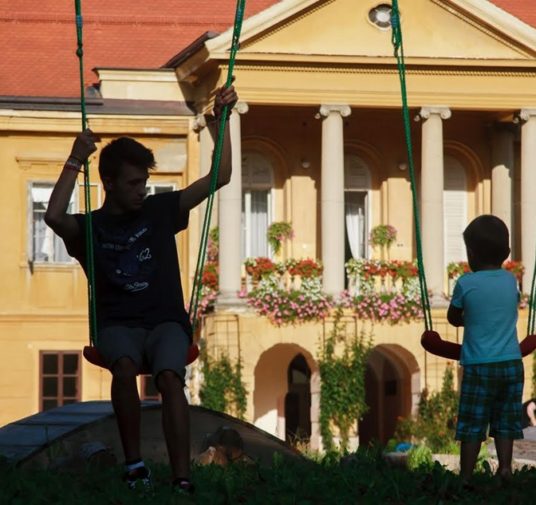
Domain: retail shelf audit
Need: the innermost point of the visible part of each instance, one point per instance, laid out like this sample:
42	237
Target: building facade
317	141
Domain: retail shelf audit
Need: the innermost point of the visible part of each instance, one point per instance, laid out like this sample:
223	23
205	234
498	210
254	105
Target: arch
392	384
271	387
275	153
371	156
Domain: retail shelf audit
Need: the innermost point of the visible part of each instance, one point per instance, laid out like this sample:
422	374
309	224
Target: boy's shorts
491	395
165	347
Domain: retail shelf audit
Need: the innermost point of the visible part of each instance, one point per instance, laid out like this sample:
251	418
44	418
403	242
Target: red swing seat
433	343
93	355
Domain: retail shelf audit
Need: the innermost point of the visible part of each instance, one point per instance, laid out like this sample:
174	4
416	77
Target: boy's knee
124	369
168	381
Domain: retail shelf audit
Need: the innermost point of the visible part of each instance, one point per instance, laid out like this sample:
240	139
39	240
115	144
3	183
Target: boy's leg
126	404
468	456
122	348
507	413
166	349
476	397
505	447
175	422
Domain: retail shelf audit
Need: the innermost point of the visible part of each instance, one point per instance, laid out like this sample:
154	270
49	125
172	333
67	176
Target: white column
432	186
332	198
230	209
502	160
528	192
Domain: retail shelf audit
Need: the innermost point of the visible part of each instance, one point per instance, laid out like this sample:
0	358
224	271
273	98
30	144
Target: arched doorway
283	369
298	401
392	389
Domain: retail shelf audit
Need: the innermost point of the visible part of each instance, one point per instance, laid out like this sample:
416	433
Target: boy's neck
479	268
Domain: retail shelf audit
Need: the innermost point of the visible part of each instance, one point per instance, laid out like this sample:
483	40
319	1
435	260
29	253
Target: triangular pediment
459	30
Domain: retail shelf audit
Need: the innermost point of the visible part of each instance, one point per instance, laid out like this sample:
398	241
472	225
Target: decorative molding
442	111
199	122
417	68
327	109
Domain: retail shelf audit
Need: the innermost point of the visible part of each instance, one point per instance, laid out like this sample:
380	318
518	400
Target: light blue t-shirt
489	301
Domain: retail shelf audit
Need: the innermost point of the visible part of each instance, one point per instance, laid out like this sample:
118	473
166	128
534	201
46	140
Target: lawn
362	478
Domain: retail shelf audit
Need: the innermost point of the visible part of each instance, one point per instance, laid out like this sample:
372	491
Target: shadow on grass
360	478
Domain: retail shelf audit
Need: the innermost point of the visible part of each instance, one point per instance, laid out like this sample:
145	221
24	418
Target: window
155	189
381	16
59	379
148	389
257	183
454	210
356	206
44	245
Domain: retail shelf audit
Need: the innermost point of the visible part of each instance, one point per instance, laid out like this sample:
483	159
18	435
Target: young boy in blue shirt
485	303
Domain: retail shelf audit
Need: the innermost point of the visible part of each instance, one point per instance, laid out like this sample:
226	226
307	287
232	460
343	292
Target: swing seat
433	343
93	355
527	345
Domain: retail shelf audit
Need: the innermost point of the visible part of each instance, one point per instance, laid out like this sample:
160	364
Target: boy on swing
141	318
485	303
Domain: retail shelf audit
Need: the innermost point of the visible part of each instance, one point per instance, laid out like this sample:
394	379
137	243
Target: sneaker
183	486
139	479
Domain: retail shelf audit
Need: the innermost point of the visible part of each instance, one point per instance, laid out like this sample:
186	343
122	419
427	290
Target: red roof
38	37
522	9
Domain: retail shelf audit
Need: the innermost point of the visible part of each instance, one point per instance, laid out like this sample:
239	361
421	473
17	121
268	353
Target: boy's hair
124	150
488	238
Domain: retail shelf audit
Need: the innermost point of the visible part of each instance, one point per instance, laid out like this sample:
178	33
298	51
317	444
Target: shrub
435	423
420	456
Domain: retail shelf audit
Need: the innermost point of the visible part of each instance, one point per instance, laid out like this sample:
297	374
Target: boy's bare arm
196	192
63	224
455	316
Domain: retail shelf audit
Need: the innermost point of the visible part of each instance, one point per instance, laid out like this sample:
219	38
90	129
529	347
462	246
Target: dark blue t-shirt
137	275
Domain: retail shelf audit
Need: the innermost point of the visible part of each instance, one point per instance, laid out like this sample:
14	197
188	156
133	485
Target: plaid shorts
491	395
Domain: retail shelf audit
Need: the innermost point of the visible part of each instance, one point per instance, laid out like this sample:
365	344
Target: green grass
361	479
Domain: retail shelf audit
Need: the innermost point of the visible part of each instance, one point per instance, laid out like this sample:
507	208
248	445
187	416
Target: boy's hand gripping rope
216	159
87	195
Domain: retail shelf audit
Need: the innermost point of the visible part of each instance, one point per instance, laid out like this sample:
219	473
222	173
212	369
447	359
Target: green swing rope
216	160
399	55
87	195
531	319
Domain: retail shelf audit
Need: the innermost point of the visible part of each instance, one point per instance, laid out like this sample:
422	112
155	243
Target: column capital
327	109
425	112
200	122
241	107
524	115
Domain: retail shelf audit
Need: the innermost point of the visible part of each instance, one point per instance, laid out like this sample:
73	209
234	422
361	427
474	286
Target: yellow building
318	131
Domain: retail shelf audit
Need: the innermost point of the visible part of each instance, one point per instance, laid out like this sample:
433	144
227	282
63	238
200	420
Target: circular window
381	16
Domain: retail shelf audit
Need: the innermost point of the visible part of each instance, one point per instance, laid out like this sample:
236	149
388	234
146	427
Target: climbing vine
342	388
222	388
